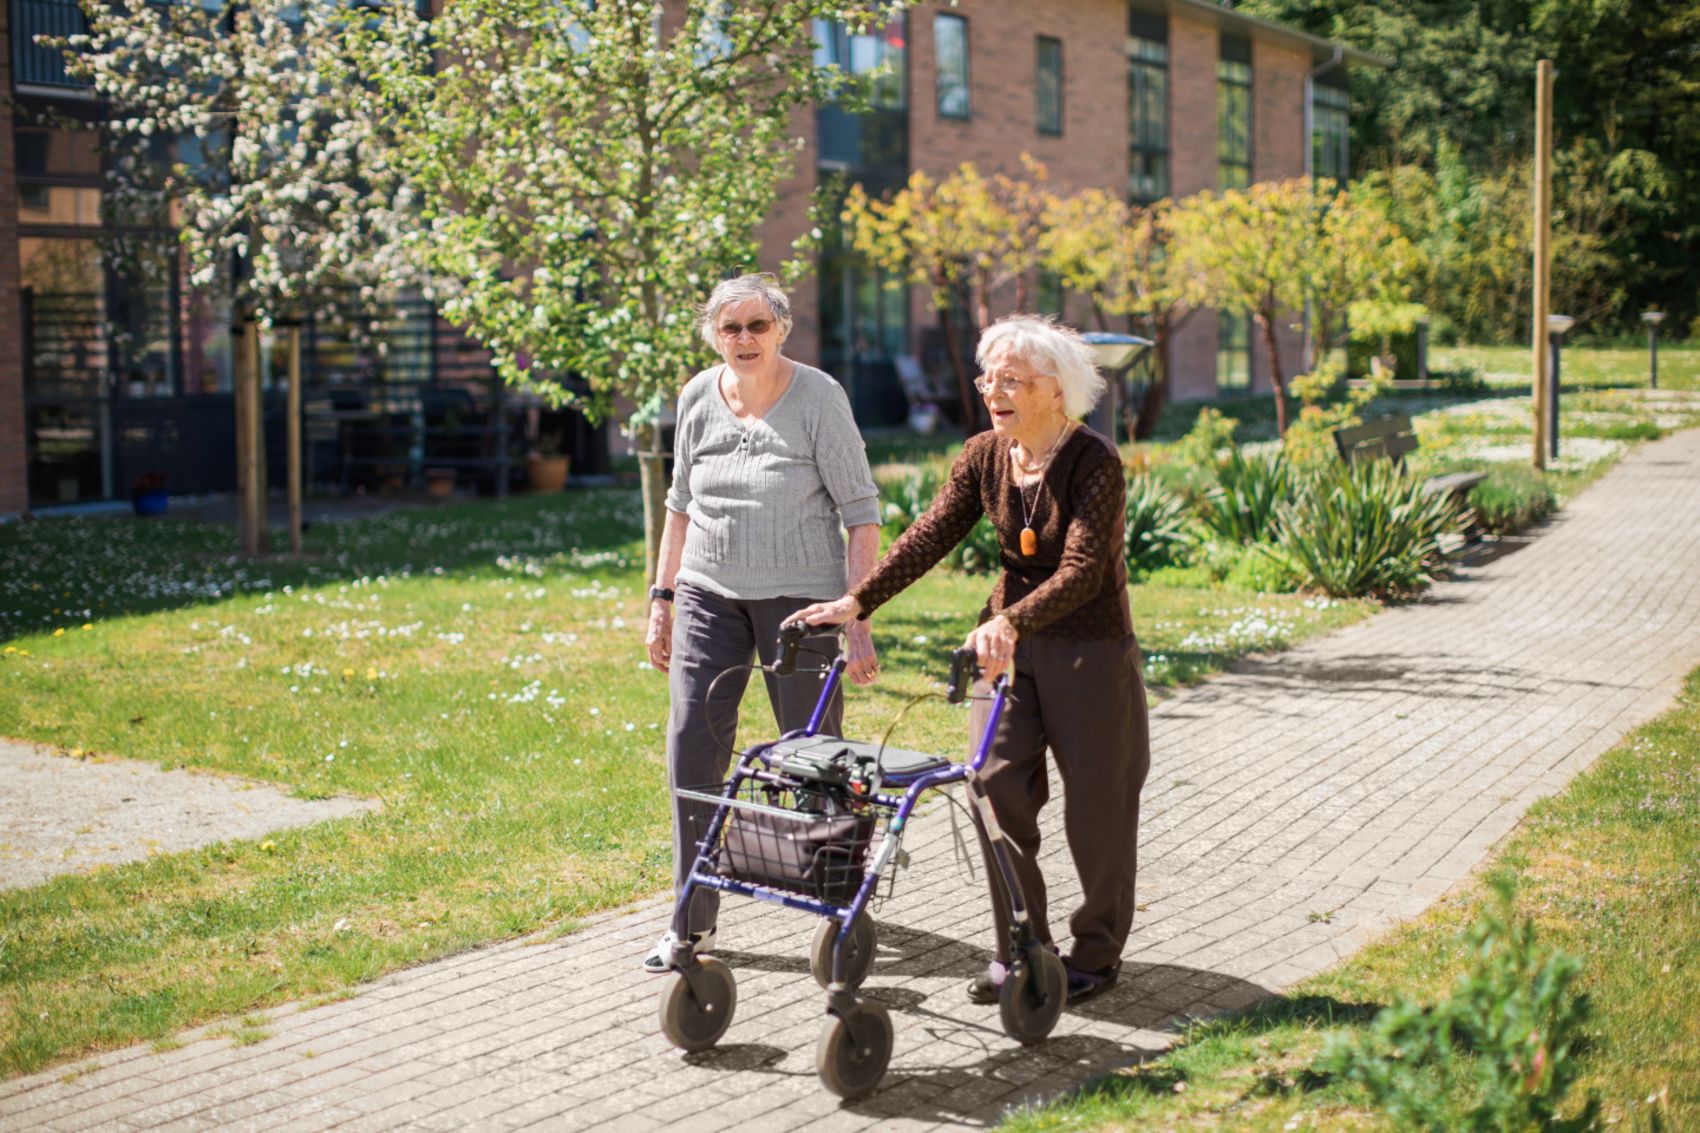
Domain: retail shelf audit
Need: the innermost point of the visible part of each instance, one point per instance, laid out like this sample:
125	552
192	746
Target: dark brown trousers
1084	701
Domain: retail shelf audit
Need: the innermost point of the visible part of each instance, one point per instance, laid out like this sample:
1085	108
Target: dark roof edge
1320	49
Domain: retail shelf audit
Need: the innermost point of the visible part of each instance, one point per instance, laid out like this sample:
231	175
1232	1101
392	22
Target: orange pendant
1029	542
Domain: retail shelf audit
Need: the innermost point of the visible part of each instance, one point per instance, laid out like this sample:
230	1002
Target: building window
1233	113
874	58
1048	85
1330	129
950	56
1148	106
1233	351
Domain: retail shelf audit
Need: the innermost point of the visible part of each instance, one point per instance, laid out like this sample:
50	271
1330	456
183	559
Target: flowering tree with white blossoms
589	169
245	126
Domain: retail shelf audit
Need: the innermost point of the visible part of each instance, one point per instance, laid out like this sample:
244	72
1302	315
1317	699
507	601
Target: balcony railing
33	64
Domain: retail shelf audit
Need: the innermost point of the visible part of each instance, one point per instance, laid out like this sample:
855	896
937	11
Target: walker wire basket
809	839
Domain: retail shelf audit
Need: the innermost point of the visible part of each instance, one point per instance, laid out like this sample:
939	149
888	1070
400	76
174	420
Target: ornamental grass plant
1365	529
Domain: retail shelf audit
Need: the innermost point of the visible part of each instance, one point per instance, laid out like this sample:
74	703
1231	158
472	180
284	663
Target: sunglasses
757	327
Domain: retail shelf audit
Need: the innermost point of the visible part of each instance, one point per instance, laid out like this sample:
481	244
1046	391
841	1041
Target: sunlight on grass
478	669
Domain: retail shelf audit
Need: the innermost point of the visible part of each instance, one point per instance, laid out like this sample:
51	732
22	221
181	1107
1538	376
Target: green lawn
1580	366
1607	870
476	667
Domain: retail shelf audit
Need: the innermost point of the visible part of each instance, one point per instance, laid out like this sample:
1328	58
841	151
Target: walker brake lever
964	668
790	641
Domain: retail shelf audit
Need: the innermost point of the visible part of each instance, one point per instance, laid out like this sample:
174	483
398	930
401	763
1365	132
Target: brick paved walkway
1358	776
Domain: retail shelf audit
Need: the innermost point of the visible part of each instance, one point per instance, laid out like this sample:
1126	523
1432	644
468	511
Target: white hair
1047	347
728	292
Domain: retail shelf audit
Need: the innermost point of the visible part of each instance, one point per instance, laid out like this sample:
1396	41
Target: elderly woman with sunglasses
1054	491
769	475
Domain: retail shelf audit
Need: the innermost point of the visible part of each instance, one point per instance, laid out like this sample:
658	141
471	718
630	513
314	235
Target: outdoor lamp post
1114	354
1653	319
1557	327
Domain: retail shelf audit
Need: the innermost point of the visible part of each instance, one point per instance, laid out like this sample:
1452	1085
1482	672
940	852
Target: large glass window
1233	351
950	58
1048	85
877	57
1148	106
1330	131
1233	113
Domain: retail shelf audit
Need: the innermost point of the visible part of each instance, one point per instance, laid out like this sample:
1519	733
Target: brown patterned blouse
1076	585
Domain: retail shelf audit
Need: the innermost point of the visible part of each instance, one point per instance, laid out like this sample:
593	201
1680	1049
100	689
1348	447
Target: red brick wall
789	219
1277	154
14	491
1193	48
1003	108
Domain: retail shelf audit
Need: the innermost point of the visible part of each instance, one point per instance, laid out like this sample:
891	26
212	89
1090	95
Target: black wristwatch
661	592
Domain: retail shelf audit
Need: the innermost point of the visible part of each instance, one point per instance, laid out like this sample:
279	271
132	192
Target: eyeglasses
1011	385
757	327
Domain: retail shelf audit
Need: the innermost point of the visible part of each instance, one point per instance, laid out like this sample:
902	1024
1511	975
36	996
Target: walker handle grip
964	667
790	641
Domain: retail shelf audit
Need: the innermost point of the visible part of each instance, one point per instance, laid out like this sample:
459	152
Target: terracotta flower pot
439	482
546	473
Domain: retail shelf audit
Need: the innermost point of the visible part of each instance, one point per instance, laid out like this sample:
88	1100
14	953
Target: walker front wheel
695	1018
1032	997
857	962
854	1049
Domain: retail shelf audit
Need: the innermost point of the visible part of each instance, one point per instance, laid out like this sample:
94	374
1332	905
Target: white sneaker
656	963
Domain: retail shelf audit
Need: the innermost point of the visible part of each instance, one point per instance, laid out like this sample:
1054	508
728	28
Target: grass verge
475	667
1608	870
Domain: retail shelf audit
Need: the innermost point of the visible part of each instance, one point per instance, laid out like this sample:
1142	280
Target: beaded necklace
1030	538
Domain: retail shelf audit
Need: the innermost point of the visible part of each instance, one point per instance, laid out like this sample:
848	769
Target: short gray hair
1050	348
761	285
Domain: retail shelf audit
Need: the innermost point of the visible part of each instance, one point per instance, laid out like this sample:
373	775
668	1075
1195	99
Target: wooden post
1542	195
293	434
250	442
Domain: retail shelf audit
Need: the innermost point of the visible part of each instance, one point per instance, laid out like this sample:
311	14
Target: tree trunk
1277	383
652	479
964	388
293	433
1157	393
250	443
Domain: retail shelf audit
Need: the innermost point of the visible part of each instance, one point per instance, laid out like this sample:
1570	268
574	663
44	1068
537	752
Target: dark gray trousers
712	635
1085	701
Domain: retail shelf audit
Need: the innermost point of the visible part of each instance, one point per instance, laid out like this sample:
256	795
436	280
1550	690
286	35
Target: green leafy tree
1120	256
967	236
1249	249
589	169
1357	263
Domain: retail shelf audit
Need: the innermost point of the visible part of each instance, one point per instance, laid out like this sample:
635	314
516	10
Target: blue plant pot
150	503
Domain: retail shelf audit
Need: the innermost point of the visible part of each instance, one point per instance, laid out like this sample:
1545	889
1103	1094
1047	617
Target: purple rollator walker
812	822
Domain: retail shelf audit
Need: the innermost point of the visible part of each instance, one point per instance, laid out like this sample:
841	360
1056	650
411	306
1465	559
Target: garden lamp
1115	355
1653	319
1557	327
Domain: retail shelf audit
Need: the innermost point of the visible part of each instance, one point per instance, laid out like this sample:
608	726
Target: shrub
1511	498
1211	431
1240	507
1500	1053
1261	568
1156	525
901	503
1364	529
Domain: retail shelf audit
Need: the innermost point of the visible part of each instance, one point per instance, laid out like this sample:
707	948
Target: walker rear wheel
854	1049
1025	1018
691	1022
857	963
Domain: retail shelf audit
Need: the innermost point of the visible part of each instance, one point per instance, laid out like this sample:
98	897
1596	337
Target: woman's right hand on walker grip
845	609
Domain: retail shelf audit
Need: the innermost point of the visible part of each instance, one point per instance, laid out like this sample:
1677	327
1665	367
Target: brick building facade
1050	78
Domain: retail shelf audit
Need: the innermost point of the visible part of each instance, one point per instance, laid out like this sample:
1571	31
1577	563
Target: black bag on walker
821	856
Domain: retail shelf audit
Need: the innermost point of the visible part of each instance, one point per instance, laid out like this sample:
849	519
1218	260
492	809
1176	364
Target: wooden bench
1390	438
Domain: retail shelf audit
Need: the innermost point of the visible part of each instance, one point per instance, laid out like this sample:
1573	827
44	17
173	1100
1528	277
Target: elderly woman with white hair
1054	491
770	482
